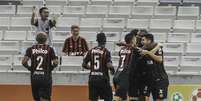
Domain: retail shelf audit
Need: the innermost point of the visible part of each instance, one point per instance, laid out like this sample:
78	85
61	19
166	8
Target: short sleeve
53	55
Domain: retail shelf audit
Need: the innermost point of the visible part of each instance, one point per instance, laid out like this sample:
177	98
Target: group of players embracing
140	72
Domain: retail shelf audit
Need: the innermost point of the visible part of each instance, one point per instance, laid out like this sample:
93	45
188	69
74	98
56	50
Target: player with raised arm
43	61
100	62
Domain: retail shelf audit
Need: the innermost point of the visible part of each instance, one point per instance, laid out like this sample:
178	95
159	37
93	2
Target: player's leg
133	89
35	90
46	90
159	91
106	92
93	92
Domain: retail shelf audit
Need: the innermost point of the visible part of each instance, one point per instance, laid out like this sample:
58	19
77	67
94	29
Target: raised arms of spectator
33	20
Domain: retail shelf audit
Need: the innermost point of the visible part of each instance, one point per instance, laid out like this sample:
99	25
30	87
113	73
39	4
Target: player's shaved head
101	38
41	38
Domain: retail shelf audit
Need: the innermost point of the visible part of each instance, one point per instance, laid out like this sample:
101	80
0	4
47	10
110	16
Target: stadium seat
58	46
25	45
91	24
173	49
20	23
198	25
60	35
190	63
96	11
192	1
160	37
142	12
25	10
5	62
101	2
5	21
9	47
160	25
172	63
178	37
172	2
188	12
71	63
1	35
196	37
17	63
184	25
123	34
73	11
57	2
113	24
7	10
193	49
31	35
119	11
165	12
148	2
78	2
33	2
113	36
64	23
89	36
55	10
123	2
138	23
15	35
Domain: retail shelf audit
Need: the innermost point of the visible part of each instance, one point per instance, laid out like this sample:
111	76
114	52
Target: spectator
43	24
75	45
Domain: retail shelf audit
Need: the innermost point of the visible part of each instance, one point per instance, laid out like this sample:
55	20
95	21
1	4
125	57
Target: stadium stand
174	23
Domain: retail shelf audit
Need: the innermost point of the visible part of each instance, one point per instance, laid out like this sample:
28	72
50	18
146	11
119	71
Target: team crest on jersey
176	96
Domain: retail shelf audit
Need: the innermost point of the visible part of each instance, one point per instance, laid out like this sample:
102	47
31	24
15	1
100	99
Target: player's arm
33	20
156	48
26	59
109	63
156	57
54	59
86	60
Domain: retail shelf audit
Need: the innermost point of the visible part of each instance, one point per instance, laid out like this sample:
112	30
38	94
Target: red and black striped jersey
125	55
98	58
41	56
75	47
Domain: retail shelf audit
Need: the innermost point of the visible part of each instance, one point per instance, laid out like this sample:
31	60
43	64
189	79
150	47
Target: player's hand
144	52
34	9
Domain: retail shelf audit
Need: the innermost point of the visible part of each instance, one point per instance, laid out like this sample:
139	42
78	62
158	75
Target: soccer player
43	24
100	62
43	61
155	74
120	79
75	45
